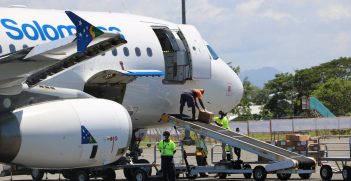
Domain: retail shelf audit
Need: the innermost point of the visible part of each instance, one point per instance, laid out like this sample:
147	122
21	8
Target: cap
166	133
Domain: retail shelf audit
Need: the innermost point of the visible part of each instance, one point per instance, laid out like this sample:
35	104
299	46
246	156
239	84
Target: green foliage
286	90
336	95
250	95
281	97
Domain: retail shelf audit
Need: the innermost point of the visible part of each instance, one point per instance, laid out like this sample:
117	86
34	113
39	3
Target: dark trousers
237	152
201	161
167	166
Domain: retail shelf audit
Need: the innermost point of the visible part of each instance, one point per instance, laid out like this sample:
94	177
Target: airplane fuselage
146	97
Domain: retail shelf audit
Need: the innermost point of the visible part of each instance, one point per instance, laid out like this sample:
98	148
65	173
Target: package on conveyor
205	117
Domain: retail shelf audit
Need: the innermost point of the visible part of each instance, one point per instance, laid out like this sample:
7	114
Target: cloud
335	12
279	17
249	7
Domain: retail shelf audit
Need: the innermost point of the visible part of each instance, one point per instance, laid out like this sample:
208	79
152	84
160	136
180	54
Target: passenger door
197	50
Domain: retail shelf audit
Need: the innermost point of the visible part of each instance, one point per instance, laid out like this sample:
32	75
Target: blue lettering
46	29
39	30
35	31
25	28
101	28
112	28
68	29
12	36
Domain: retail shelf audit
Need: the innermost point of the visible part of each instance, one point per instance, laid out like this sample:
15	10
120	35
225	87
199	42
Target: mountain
259	76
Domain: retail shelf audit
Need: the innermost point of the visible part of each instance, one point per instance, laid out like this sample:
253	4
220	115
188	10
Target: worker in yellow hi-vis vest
167	149
223	121
201	154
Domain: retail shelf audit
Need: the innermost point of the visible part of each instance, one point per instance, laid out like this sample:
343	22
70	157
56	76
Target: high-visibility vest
167	148
218	120
201	145
225	123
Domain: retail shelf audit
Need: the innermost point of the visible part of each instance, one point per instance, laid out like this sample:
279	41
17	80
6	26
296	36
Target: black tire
109	175
139	175
128	173
67	174
222	175
283	176
247	175
37	175
346	173
148	170
81	175
305	175
326	172
259	173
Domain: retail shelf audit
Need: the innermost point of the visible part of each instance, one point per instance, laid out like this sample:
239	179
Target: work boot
203	175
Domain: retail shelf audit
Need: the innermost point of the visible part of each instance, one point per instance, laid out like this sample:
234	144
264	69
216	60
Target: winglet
86	32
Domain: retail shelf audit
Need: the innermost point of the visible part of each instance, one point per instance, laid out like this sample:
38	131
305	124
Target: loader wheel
305	175
283	176
326	172
259	173
346	173
37	174
247	175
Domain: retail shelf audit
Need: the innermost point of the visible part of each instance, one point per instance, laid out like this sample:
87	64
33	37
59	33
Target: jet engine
65	134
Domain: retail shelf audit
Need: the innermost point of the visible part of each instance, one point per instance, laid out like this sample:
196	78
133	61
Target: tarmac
148	153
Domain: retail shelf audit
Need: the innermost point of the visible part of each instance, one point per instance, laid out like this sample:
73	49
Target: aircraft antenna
183	12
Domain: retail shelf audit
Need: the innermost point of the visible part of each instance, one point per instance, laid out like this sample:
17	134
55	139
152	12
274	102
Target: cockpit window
212	52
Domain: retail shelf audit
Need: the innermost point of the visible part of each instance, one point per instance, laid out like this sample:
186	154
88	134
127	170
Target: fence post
270	129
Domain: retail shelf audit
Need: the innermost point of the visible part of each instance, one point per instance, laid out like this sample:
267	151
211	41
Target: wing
34	64
122	76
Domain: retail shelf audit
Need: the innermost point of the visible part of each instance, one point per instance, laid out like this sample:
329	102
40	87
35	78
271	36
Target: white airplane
70	98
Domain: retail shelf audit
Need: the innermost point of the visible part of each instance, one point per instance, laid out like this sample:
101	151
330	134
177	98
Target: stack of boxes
300	144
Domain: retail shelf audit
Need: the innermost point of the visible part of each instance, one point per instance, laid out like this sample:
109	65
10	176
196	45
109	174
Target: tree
335	95
250	94
282	95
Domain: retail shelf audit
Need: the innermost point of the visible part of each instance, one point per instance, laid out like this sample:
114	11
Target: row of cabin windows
137	52
114	51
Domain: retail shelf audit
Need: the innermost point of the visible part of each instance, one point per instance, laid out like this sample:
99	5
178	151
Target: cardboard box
297	137
205	117
292	137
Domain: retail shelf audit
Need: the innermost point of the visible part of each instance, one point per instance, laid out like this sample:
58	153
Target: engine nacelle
65	134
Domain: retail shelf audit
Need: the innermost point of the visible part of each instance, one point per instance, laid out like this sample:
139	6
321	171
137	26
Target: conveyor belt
244	142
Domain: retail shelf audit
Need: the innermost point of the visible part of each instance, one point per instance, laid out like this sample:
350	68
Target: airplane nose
228	80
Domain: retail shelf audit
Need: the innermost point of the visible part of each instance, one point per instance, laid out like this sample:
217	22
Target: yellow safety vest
218	120
167	148
224	122
200	145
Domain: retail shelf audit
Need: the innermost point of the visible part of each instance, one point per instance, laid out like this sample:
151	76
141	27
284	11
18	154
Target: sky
286	35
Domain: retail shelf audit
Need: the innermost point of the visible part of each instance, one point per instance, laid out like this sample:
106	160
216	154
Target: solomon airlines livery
76	86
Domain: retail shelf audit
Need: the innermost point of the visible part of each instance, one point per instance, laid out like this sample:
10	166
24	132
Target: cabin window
137	52
0	49
149	52
114	52
12	48
126	51
25	46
